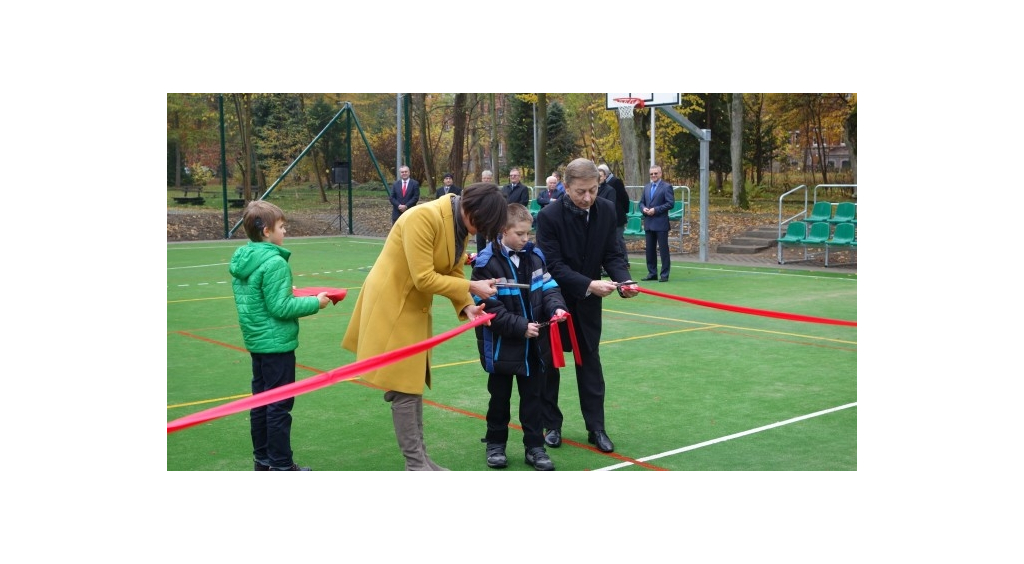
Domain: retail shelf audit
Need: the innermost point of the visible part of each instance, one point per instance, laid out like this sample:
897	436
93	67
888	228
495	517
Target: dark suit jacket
521	194
576	251
453	189
662	202
544	198
412	195
621	199
607	192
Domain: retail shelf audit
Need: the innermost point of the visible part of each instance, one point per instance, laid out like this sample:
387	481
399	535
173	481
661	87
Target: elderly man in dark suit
515	191
405	192
655	203
576	233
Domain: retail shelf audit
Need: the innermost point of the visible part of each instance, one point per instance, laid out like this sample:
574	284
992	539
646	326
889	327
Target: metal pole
705	150
398	136
223	165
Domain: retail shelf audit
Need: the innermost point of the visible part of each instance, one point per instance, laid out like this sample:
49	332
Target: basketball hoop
627	105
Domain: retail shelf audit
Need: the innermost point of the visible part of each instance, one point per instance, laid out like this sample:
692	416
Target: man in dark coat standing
449	186
405	192
622	204
576	233
515	191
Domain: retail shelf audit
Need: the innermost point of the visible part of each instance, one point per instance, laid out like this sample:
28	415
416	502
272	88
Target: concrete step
764	233
757	241
740	249
752	241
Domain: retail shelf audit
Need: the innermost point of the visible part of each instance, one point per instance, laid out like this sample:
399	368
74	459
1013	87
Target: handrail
783	222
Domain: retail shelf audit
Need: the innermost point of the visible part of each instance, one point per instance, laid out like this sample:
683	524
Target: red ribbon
557	355
334	294
751	311
321	380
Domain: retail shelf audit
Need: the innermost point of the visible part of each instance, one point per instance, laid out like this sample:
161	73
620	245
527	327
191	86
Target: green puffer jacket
268	311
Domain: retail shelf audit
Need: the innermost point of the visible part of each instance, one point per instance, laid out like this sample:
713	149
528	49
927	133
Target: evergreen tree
561	145
706	111
519	134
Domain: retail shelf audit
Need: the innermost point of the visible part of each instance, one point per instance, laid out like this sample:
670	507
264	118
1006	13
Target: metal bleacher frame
810	199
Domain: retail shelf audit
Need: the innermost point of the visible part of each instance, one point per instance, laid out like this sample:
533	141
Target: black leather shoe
294	467
496	455
663	280
646	278
554	438
258	466
539	459
600	438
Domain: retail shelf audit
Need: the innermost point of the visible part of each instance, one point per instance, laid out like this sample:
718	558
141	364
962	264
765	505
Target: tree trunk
475	150
457	155
177	164
739	196
630	157
494	139
423	126
243	112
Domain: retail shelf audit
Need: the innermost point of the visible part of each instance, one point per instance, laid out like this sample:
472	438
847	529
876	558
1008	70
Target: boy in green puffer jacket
268	314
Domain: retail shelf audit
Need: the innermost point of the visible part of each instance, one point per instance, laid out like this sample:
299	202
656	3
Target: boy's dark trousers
499	407
271	425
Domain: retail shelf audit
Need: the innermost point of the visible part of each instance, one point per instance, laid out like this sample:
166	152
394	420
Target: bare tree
419	102
739	195
494	138
630	155
457	155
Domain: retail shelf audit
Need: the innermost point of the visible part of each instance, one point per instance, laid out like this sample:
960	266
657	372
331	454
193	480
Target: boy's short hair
517	213
259	214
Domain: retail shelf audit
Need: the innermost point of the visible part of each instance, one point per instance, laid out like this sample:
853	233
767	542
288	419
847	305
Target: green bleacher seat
634	226
822	211
846	212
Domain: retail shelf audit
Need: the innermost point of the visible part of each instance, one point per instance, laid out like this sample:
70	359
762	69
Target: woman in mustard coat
423	255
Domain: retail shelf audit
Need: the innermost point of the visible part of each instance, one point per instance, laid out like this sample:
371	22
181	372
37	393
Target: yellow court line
199	299
201	402
737	327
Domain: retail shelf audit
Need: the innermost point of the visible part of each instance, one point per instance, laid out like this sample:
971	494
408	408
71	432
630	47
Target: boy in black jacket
515	344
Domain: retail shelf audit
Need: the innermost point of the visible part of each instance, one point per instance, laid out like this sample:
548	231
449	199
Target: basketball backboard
650	99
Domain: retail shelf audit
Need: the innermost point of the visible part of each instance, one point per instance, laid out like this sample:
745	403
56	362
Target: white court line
728	437
712	269
197	266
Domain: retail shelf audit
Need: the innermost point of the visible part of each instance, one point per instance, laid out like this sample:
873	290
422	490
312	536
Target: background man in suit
449	187
576	233
515	191
549	194
655	204
405	192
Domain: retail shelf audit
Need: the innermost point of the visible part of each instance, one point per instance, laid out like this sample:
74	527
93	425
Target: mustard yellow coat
393	308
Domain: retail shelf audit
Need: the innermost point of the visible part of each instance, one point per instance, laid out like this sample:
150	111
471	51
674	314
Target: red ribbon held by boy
557	355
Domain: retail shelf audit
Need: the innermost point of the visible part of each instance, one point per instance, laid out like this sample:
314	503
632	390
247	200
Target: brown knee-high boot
408	431
419	418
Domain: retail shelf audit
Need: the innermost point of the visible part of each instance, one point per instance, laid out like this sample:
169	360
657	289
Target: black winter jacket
502	346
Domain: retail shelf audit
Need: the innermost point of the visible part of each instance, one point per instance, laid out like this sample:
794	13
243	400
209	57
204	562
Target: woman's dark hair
486	208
